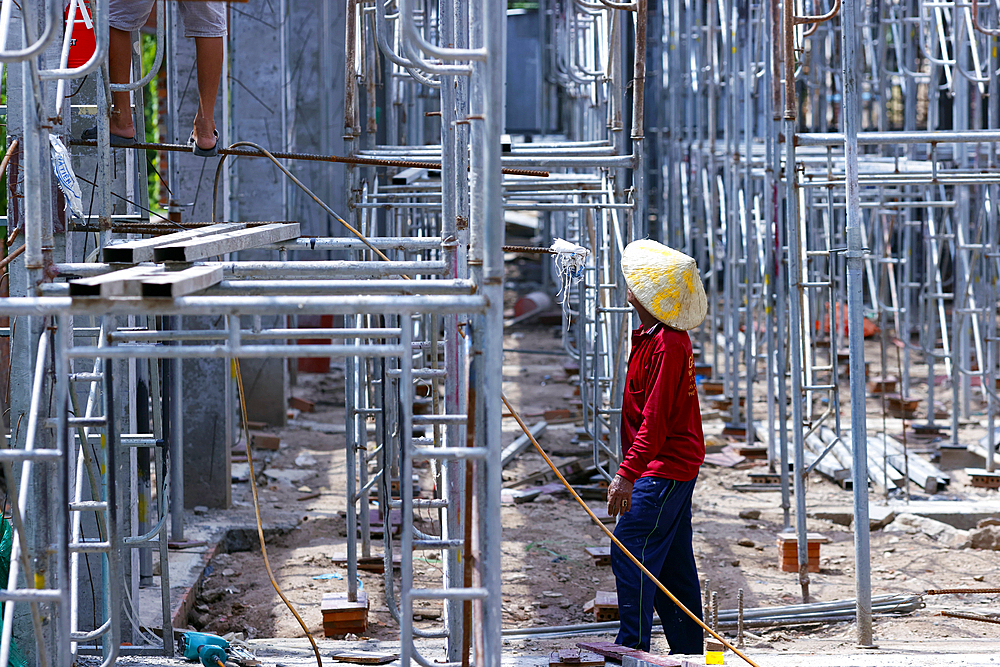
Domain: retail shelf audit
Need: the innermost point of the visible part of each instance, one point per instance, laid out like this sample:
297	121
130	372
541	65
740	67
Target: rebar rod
309	157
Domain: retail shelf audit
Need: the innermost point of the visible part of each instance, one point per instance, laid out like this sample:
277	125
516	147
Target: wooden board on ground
601	555
364	657
265	441
725	459
374	563
301	404
752	451
617	653
569	657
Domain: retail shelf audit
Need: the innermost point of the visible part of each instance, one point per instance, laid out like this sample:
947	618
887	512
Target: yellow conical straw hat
666	282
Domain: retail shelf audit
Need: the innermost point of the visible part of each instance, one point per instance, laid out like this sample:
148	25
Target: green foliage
151	112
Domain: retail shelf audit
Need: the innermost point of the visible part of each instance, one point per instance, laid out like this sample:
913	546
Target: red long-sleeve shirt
661	420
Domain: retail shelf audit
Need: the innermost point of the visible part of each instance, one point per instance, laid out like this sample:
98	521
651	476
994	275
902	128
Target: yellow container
713	652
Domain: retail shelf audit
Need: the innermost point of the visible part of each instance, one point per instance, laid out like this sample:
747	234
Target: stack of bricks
789	554
341	616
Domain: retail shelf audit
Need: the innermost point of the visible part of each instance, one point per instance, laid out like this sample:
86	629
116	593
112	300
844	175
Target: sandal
205	152
91	135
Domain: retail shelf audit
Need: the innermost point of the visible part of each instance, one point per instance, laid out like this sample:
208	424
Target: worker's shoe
205	152
91	135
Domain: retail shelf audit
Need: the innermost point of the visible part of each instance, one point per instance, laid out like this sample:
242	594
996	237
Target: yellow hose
260	527
614	539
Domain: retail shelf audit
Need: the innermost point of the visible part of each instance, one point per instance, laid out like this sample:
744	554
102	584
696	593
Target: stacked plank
888	463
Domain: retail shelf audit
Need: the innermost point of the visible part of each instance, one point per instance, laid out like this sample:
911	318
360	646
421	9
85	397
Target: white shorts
201	19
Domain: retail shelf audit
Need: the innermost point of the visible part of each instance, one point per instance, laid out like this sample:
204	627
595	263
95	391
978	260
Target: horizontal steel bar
405	243
918	137
245	305
428	545
450	453
448	593
438	419
90	547
89	506
30	595
33	455
420	373
331	287
426	503
270	269
248	334
244	351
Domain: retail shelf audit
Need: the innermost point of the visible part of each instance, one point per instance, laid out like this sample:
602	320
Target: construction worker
203	21
662	448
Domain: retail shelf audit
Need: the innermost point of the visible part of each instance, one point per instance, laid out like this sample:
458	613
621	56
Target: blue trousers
657	530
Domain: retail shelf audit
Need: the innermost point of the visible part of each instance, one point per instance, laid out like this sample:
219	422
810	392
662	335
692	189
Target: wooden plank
618	653
301	404
607	649
338	602
179	283
374	563
601	555
141	250
226	242
265	441
575	658
124	282
511	451
606	599
644	659
364	657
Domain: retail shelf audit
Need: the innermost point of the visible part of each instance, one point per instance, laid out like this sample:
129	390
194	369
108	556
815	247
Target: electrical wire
614	539
256	510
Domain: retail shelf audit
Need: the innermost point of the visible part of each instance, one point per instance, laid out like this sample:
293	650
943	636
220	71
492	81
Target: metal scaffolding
828	168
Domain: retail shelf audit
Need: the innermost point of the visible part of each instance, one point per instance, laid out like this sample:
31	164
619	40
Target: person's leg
209	54
120	71
206	23
680	576
642	531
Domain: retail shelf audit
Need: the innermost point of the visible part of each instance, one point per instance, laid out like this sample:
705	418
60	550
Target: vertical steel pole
855	265
176	445
795	324
494	36
64	444
453	472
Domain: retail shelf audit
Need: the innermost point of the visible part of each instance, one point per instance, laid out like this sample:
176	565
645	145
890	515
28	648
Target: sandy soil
547	575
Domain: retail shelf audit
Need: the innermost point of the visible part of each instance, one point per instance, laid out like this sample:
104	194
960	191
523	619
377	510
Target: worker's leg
646	530
206	23
680	575
125	17
120	70
210	56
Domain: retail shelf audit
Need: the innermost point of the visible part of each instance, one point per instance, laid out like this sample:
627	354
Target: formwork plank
141	250
226	242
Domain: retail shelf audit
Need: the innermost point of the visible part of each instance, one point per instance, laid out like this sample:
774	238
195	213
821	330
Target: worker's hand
619	496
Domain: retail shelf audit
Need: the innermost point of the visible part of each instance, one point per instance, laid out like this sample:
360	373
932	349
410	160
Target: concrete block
961	514
208	427
937	530
879	516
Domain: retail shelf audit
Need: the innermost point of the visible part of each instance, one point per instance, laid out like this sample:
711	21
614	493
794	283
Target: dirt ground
547	575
